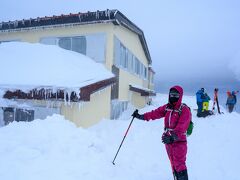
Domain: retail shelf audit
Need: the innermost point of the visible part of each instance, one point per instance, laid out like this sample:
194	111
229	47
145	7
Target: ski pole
122	141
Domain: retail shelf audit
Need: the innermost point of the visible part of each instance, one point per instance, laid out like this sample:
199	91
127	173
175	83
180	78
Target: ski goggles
174	94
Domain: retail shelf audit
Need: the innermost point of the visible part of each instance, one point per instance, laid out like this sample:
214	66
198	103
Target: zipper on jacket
169	118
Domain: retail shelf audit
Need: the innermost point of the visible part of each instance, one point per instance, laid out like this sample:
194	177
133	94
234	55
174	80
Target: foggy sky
190	41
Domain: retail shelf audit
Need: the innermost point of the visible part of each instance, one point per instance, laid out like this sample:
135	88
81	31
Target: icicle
15	23
65	97
45	93
77	92
97	14
79	16
69	96
80	105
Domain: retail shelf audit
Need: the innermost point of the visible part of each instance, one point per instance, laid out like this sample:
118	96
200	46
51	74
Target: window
92	45
24	115
130	62
117	52
79	44
145	72
126	59
123	58
137	66
65	43
10	114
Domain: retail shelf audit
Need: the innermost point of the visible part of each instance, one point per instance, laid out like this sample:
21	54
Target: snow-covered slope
55	149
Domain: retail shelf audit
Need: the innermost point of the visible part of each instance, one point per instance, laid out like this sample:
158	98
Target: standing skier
203	103
177	117
200	99
231	100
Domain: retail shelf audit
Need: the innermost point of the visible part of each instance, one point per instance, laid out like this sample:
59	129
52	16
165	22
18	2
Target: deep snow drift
55	148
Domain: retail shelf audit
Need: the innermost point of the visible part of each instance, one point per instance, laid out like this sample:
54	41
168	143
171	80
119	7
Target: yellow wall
126	79
89	113
138	102
132	42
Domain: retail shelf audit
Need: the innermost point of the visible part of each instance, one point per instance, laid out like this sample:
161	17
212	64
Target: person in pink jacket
177	117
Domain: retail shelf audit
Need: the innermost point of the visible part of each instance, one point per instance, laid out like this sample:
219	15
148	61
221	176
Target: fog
192	43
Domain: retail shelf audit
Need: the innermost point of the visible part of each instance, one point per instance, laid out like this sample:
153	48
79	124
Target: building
39	80
108	37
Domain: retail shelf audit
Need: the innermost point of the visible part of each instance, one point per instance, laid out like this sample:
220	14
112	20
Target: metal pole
122	141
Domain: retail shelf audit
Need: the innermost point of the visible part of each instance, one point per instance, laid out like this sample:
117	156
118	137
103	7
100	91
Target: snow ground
55	148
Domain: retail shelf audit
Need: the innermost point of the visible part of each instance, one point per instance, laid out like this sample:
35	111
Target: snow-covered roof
26	66
106	16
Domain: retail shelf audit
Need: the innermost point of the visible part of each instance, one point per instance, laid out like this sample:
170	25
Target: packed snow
55	148
44	66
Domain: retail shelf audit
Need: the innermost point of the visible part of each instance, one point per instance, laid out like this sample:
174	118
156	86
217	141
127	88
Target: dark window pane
24	115
8	115
79	44
65	43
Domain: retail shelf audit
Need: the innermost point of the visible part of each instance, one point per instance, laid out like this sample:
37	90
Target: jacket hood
180	90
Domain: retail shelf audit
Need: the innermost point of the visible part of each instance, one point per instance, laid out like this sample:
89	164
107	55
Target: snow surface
27	66
55	148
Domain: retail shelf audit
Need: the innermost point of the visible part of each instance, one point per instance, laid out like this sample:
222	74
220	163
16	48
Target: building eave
47	94
142	91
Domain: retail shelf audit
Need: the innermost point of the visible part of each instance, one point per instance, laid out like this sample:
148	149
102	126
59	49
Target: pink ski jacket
173	120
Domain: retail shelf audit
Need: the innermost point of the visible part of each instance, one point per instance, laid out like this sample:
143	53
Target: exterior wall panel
89	113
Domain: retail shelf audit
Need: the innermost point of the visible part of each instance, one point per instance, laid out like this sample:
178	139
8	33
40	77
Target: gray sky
192	42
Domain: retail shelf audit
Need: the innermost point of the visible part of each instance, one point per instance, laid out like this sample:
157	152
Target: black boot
182	175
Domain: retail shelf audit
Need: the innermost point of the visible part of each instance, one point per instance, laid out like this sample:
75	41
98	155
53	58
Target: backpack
231	99
191	124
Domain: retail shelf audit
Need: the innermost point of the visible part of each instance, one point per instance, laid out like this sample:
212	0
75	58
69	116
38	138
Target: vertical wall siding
89	113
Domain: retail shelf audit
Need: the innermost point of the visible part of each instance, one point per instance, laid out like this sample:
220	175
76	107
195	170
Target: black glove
169	139
137	115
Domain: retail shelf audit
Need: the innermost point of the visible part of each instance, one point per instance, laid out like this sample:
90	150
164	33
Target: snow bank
28	66
55	148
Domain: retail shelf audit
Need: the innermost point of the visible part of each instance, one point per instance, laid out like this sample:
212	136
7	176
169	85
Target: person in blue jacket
231	101
202	97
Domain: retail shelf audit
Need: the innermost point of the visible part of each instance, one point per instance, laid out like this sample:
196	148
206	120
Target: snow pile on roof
28	66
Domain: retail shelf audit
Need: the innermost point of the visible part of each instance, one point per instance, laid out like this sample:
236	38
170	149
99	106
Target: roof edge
113	16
